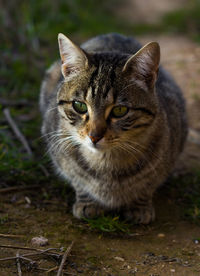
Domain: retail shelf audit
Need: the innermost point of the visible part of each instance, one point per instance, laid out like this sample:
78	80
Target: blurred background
29	30
28	46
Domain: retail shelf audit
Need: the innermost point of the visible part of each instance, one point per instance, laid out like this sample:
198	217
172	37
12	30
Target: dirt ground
169	246
136	11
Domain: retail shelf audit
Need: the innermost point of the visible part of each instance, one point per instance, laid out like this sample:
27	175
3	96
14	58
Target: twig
21	138
27	259
44	170
55	202
64	258
9	258
18	265
33	254
39	252
28	248
17	132
10	236
52	269
17	188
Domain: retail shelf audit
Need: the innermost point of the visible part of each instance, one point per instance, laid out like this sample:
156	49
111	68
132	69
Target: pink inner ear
72	57
62	58
67	69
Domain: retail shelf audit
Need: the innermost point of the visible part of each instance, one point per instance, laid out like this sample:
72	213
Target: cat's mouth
97	147
94	147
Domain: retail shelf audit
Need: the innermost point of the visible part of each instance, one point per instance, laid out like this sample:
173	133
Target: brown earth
139	11
167	247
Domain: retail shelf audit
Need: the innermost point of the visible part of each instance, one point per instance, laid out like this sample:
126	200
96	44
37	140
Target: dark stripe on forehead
91	82
103	78
78	93
111	78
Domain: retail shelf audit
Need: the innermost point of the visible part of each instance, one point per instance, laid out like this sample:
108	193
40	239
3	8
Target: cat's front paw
87	210
140	215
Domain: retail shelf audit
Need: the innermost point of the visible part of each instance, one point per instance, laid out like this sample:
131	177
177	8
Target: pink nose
95	139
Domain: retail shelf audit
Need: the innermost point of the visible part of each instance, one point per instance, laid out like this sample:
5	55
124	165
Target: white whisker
143	156
49	133
49	110
129	85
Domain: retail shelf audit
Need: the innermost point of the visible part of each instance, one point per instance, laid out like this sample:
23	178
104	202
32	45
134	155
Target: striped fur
135	153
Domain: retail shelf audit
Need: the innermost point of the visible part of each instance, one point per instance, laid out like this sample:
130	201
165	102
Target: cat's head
107	99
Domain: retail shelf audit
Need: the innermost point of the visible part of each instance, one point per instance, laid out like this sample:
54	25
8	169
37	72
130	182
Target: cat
114	122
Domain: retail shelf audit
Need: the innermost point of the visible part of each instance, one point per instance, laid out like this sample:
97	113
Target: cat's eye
79	107
119	111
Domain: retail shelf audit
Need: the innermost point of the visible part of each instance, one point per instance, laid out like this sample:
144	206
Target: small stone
172	270
27	199
39	241
149	254
126	266
119	259
133	271
161	235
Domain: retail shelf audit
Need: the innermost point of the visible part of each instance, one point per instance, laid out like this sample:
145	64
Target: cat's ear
143	66
73	59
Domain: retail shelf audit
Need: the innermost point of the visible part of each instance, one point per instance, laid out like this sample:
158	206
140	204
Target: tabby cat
114	123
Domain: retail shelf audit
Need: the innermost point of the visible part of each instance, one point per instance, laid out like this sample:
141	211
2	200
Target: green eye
79	107
119	111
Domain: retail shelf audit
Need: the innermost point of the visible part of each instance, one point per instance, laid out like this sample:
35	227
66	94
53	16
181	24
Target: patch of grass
4	219
93	260
109	224
187	192
196	97
185	20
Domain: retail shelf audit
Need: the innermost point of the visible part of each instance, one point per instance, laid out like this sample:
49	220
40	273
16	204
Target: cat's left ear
73	59
143	66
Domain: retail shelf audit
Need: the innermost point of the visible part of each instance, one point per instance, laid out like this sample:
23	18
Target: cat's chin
96	147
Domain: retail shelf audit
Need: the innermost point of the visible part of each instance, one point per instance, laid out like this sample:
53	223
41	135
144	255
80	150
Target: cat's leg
140	212
86	207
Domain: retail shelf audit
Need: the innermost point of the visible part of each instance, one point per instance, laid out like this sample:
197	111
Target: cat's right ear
143	66
73	59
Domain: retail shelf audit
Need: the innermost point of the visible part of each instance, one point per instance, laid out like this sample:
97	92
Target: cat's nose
95	139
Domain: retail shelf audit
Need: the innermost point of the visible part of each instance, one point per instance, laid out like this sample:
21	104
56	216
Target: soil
138	11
